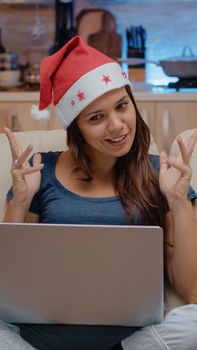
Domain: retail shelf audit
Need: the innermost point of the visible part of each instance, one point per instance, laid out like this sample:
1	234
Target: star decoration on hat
81	95
123	74
106	79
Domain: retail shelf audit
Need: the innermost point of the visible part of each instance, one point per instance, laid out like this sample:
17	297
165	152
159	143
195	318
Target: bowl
9	77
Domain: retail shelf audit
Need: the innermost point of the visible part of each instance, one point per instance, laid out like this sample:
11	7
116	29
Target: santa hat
74	77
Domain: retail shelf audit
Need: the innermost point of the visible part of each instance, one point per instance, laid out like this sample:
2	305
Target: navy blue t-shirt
56	204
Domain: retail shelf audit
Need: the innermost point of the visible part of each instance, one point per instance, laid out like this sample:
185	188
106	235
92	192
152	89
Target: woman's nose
114	123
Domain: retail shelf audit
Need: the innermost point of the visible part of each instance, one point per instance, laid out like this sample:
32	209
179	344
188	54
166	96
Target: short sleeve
34	207
9	194
191	194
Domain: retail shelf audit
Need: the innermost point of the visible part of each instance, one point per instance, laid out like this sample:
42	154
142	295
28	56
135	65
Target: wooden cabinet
172	119
167	119
147	111
16	116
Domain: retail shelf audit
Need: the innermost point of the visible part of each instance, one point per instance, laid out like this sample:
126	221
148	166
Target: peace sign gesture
26	178
175	174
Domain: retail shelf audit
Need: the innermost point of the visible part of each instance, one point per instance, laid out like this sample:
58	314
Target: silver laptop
73	274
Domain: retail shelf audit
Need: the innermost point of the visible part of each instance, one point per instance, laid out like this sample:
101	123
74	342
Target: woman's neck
102	166
101	185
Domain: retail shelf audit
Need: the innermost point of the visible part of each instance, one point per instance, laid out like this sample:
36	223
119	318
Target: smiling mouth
117	140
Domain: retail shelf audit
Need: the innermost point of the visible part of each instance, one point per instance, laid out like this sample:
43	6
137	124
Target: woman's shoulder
49	156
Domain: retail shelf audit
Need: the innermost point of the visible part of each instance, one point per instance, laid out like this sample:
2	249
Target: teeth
117	139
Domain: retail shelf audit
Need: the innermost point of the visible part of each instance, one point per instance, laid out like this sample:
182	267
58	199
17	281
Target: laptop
81	274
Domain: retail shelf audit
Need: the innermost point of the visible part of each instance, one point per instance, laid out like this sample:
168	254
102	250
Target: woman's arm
181	251
181	223
15	213
25	180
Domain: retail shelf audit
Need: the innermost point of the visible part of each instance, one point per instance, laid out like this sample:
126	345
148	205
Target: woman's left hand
175	174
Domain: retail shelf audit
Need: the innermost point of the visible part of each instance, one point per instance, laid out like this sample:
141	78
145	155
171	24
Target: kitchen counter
154	94
165	95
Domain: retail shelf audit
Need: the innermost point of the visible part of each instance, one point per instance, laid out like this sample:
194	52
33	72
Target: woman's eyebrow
96	111
122	98
93	112
100	110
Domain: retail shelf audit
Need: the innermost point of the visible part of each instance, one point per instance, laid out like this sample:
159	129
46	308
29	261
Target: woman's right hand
26	178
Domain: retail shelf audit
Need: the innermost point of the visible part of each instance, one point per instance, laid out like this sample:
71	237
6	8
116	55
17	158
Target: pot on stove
184	66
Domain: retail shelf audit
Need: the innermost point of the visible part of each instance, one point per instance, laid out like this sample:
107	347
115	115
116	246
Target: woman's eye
96	118
122	105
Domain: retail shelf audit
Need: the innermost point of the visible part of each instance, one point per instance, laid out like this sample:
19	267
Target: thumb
37	159
163	161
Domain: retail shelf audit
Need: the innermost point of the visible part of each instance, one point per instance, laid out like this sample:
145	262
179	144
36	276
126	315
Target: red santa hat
74	77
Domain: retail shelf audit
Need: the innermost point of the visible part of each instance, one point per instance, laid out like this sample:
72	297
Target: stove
184	83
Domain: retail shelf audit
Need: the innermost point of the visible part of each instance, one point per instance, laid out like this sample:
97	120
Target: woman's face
108	124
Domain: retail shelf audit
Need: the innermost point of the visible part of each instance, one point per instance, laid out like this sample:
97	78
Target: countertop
153	94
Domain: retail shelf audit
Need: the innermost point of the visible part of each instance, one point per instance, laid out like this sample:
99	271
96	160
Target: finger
192	142
32	169
185	169
37	159
187	147
28	170
183	149
163	161
22	159
14	145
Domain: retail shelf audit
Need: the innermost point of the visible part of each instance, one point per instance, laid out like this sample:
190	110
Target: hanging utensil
38	28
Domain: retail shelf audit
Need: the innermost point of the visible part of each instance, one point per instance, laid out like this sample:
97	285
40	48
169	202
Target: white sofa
55	140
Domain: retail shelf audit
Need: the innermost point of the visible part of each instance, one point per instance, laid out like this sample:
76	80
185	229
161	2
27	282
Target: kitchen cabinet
167	119
147	111
167	114
172	119
16	116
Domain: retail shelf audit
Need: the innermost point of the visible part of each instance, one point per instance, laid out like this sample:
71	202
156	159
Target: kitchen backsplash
169	24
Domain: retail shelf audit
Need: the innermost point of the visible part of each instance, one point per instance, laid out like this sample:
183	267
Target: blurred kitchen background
135	31
29	28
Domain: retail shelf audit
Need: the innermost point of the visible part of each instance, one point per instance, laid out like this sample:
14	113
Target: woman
107	177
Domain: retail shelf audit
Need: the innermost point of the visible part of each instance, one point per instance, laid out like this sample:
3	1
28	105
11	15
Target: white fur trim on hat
89	87
42	116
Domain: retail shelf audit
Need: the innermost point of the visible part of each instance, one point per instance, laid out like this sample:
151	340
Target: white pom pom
42	116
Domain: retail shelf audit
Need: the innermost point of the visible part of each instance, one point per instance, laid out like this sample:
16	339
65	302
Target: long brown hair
136	181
